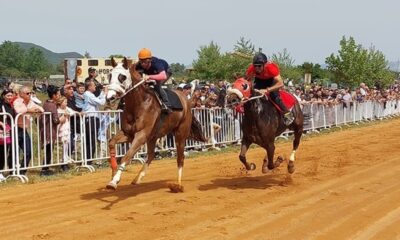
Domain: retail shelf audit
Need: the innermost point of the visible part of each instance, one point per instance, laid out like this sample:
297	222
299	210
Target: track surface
346	186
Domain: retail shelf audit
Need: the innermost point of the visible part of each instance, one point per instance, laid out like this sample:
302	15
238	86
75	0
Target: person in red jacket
267	79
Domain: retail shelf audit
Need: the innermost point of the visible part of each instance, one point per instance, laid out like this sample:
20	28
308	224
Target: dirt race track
346	186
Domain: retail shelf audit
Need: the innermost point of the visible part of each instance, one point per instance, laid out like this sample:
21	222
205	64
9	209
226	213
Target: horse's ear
113	63
125	63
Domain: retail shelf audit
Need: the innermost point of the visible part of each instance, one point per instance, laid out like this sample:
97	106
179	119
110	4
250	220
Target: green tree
286	65
177	69
315	69
209	61
113	55
244	48
354	64
11	59
35	64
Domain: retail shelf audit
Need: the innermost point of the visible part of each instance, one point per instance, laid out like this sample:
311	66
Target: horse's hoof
111	186
175	188
291	167
265	170
134	182
252	167
278	162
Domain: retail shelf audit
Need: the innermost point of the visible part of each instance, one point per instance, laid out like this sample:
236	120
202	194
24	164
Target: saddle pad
174	100
287	98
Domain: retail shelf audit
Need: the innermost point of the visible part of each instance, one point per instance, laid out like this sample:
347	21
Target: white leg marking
180	170
292	156
142	173
117	176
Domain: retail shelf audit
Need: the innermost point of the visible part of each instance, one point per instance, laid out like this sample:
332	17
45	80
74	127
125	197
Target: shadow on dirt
123	192
259	182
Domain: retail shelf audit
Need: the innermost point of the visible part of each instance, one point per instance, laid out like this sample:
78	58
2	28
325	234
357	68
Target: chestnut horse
143	122
262	123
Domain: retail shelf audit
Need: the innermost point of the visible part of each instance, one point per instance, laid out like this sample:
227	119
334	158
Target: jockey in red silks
267	79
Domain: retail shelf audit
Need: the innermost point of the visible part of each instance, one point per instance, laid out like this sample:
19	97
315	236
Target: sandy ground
346	186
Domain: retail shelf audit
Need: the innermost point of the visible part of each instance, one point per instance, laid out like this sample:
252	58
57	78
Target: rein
252	98
247	100
130	89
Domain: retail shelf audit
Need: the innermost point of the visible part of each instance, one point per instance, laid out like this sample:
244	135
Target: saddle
173	98
287	98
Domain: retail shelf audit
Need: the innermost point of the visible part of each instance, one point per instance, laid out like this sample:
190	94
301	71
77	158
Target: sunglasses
145	61
29	93
258	65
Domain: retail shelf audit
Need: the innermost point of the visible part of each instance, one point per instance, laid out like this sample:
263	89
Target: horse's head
239	91
119	78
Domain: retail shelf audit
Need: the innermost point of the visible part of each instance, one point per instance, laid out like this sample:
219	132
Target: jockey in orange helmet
156	69
268	79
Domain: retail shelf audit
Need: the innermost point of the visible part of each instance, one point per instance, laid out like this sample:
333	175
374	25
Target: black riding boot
164	97
287	115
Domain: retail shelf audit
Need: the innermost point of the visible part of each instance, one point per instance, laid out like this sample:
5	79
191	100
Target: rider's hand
145	77
260	91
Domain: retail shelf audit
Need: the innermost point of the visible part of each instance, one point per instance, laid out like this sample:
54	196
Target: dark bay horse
262	123
143	122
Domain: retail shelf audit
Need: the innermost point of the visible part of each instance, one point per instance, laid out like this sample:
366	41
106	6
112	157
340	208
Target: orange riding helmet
144	53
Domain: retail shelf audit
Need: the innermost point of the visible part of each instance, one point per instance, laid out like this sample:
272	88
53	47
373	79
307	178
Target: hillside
52	57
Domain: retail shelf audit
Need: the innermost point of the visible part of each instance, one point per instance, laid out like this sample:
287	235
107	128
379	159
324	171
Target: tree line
15	62
352	64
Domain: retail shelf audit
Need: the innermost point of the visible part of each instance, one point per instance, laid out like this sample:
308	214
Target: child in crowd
64	130
78	94
105	121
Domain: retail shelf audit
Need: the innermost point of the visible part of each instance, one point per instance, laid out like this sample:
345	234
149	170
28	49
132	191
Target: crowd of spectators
58	117
330	96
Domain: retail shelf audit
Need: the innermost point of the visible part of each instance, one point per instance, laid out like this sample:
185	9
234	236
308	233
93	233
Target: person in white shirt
92	104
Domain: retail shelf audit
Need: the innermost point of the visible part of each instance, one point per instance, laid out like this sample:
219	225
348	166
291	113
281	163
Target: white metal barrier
91	131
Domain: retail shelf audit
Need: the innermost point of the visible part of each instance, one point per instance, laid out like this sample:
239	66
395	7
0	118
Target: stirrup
288	118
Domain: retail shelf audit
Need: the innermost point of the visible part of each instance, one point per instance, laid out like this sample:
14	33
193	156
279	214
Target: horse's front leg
119	137
151	145
138	140
242	156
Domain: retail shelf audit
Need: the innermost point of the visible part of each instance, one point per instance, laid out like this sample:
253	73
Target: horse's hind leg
269	161
298	131
242	156
151	145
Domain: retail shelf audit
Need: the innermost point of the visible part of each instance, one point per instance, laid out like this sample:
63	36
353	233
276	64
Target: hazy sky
175	29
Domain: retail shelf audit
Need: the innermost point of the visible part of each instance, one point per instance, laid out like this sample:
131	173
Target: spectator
105	121
92	77
48	127
75	120
67	84
64	129
187	90
24	105
6	122
78	96
92	104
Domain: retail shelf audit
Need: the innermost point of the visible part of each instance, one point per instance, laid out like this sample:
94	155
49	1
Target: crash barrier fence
27	143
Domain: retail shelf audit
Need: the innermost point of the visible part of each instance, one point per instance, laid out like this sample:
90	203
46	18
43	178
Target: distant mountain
52	57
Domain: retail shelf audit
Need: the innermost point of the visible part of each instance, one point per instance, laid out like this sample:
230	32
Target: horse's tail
196	132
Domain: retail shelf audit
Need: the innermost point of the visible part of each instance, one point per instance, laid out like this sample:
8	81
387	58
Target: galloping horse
262	122
143	122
